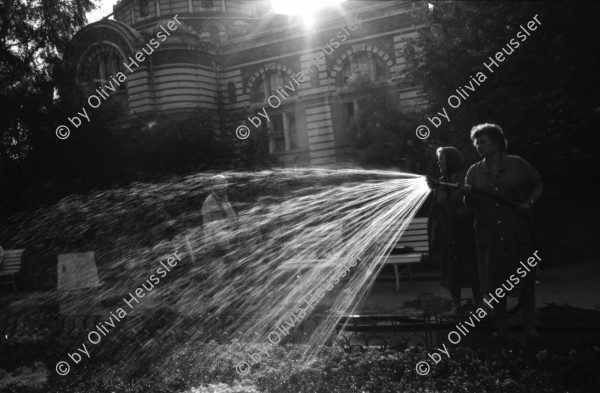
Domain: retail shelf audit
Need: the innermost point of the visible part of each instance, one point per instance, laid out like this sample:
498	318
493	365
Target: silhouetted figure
451	232
504	235
220	221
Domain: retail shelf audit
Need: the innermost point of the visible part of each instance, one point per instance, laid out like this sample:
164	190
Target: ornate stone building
232	56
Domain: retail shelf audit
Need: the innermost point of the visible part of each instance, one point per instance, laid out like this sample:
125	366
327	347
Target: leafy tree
385	134
544	92
33	34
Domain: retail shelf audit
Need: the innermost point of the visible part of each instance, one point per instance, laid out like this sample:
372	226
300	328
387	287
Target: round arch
258	74
355	50
84	60
131	37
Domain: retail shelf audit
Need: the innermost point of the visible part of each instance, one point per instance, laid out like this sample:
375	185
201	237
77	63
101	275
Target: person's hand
465	189
431	183
524	208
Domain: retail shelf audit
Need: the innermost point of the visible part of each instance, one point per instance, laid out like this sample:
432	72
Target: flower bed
209	367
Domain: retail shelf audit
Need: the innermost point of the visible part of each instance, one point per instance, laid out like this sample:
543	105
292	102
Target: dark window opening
277	133
215	34
349	112
292	131
144	10
231	93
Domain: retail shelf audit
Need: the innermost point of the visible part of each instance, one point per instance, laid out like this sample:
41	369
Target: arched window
231	93
268	84
365	65
101	68
215	34
207	4
108	66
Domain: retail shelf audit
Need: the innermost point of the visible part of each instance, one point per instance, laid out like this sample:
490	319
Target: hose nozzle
441	183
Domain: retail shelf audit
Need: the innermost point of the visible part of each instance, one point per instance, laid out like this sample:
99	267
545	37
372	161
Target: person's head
450	160
219	185
488	139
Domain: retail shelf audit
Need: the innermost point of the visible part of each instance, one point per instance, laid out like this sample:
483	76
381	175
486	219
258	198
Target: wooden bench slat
395	262
11	252
403	242
418	227
418	221
409	235
11	264
13	260
310	263
421	250
413	234
412	241
408	232
419	224
9	272
414	248
420	236
403	258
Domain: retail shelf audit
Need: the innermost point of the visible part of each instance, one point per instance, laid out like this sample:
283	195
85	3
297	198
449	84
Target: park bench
411	248
11	266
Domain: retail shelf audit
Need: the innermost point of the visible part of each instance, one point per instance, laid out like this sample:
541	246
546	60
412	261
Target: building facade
237	60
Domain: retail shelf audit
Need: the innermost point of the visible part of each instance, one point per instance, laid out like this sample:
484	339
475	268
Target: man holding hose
504	233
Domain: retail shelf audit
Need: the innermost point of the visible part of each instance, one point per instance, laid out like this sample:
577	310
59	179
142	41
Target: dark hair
454	160
493	131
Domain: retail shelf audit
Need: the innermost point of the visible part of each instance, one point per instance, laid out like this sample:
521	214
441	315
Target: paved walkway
570	290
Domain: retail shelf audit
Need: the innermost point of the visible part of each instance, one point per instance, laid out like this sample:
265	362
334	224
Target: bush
210	367
24	378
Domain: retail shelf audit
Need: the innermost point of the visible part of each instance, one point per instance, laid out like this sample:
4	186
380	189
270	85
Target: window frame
144	8
214	33
277	136
269	90
374	64
232	93
107	66
207	4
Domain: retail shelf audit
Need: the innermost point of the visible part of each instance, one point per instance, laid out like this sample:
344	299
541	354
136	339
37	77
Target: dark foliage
385	134
543	94
335	370
33	35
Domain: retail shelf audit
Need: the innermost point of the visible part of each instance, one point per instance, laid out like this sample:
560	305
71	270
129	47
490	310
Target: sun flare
306	8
